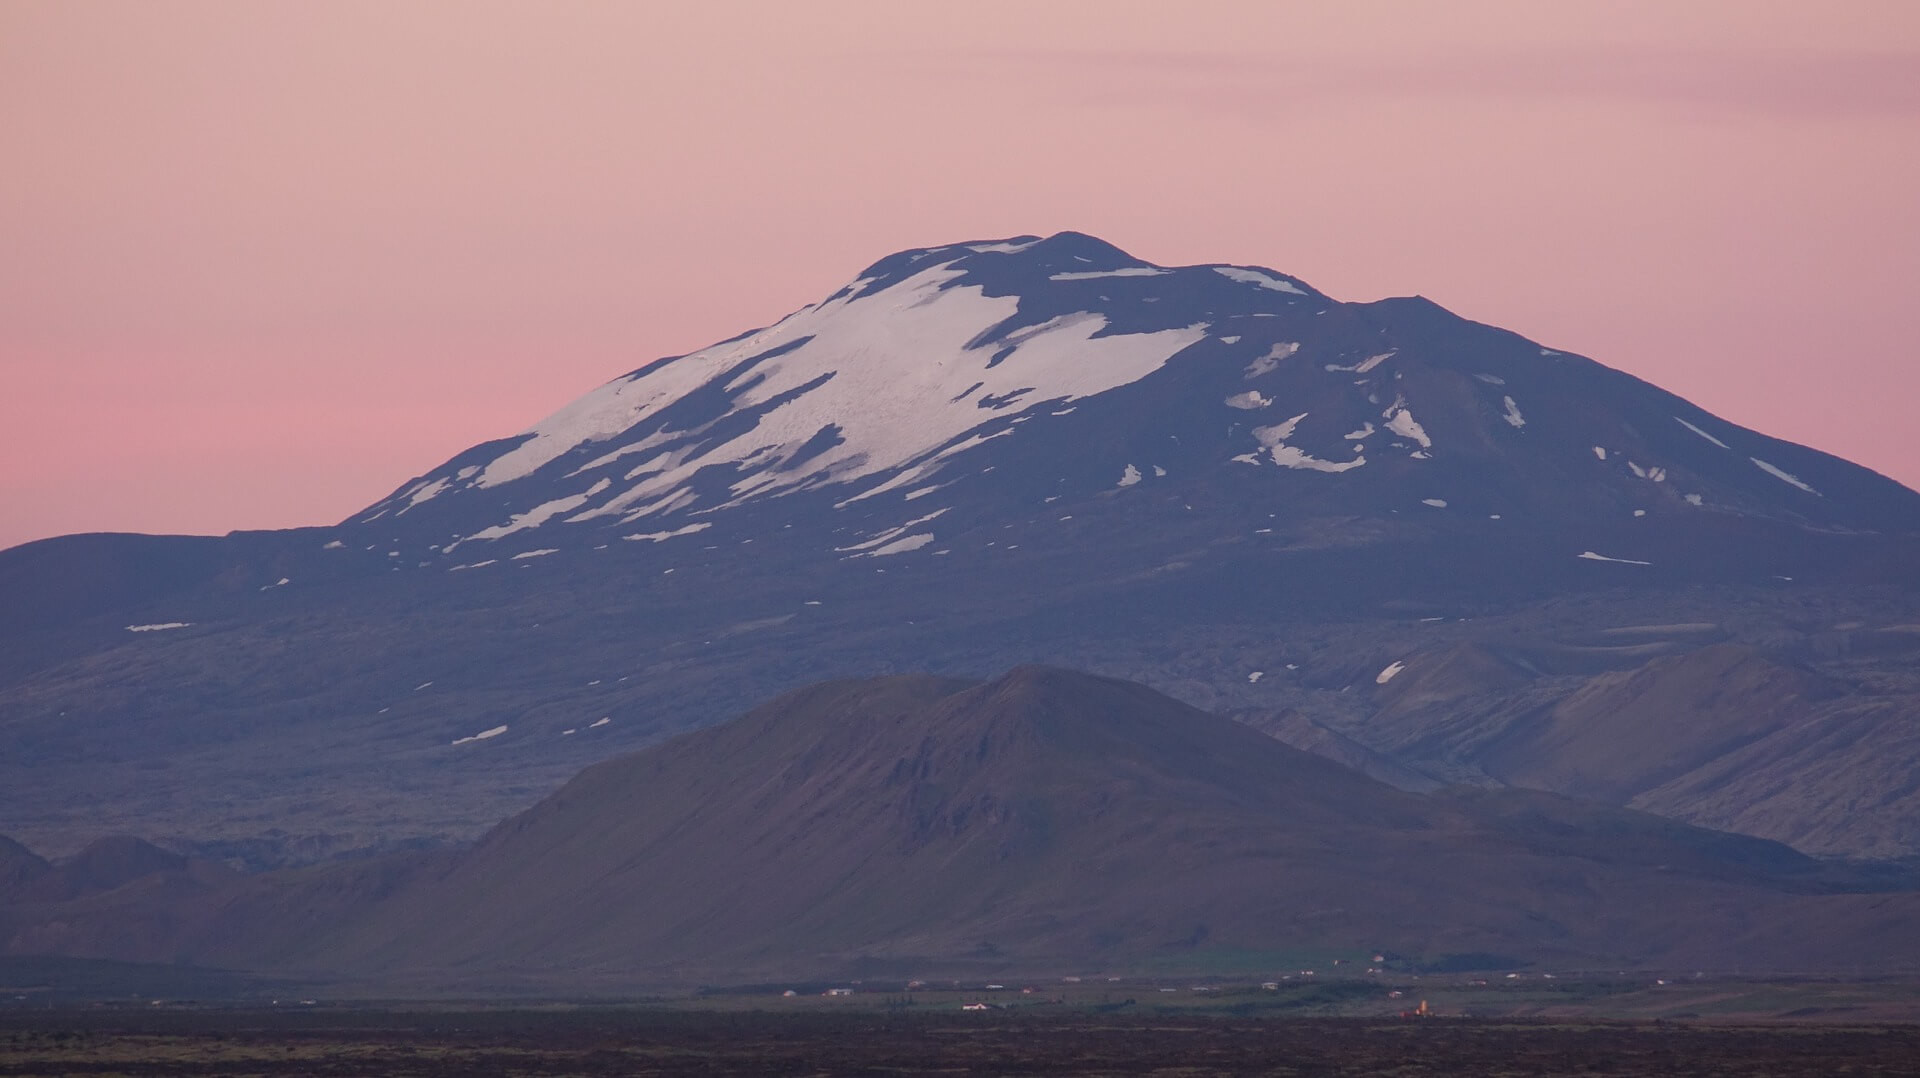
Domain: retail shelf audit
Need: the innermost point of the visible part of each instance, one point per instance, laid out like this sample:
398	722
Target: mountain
1046	821
1213	479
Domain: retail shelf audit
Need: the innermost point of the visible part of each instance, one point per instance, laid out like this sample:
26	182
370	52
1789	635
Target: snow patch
1437	503
1701	433
1273	440
1270	437
1255	277
1007	248
536	553
1125	271
1235	339
890	541
596	724
1491	379
1388	674
1272	360
1366	364
1130	476
1400	421
661	537
1588	555
159	625
1288	456
1784	477
335	545
423	491
1513	416
483	735
1254	677
1599	453
1249	401
540	514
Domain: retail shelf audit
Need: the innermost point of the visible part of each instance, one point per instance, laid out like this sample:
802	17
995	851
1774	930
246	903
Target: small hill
1044	821
1051	819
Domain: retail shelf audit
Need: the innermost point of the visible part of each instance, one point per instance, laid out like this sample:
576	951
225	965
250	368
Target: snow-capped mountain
948	388
1422	545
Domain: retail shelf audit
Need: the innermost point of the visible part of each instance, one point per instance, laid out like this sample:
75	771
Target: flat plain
926	1033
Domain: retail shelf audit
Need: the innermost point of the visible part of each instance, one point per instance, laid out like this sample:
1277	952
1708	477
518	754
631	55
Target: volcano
1213	479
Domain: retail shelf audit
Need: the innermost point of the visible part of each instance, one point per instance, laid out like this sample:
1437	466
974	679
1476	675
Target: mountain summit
1425	546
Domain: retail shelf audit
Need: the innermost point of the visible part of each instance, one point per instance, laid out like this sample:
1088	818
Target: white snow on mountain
1701	433
1364	366
660	537
899	546
1255	277
1007	248
1270	362
539	514
1588	555
1783	476
1400	421
1273	440
484	735
1125	271
900	376
1269	437
889	541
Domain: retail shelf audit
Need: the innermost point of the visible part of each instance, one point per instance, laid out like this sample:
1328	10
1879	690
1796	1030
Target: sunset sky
262	262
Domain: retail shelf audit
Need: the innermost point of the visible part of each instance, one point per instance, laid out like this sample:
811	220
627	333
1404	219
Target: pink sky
261	262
